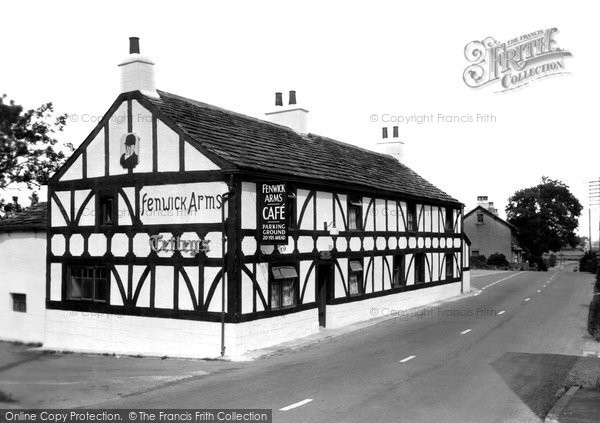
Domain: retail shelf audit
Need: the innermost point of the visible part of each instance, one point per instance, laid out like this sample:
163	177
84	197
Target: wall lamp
333	231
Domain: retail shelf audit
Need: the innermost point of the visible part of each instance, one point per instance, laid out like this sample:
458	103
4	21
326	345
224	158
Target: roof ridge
308	135
249	142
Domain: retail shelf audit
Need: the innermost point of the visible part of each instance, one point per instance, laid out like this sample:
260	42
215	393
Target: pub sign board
272	213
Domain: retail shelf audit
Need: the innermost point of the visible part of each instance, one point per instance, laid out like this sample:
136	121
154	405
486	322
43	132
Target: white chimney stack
137	71
391	146
291	115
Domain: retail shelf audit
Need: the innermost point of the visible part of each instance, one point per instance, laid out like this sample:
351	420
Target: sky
348	62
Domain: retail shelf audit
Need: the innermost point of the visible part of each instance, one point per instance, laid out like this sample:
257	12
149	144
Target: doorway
324	290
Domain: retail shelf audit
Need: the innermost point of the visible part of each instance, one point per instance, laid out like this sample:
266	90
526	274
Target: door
324	283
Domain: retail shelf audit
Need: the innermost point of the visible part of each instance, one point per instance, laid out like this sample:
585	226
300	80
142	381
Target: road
499	355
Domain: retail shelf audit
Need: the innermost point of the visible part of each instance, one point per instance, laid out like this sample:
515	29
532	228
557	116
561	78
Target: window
88	283
395	129
419	268
411	217
355	277
291	207
283	286
479	217
107	213
19	302
449	220
355	214
398	277
449	266
384	132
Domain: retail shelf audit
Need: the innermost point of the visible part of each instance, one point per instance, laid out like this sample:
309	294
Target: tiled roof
31	219
253	144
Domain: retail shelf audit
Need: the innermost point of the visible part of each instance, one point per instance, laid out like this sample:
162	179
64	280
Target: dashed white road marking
464	332
501	312
500	280
527	299
410	357
296	404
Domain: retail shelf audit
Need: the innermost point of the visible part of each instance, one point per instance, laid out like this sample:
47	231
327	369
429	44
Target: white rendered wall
107	333
466	281
23	264
357	311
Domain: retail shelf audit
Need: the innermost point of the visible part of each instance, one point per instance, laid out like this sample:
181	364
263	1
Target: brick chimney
137	71
390	143
290	115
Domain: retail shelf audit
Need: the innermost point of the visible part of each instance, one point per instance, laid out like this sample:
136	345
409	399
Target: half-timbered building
154	226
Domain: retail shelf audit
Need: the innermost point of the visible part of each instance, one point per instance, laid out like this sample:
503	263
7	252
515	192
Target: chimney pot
291	116
137	71
134	45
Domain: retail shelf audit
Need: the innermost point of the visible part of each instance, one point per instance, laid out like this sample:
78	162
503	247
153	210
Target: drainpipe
462	247
225	198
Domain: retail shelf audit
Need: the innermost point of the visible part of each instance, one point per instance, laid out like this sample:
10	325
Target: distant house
22	281
490	234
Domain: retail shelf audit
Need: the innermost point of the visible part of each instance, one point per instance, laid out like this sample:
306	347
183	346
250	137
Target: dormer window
355	214
449	220
106	213
411	217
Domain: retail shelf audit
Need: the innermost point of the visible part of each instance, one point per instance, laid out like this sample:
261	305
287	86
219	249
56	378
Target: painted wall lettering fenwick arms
181	204
157	243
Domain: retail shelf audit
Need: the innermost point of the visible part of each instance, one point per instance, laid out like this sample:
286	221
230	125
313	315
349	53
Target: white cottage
190	230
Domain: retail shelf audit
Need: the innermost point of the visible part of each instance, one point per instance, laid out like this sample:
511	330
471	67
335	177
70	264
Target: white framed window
449	266
19	302
411	217
283	286
419	268
355	214
88	283
355	277
399	277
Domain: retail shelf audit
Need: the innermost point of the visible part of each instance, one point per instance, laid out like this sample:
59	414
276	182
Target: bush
478	262
538	263
594	318
597	285
551	260
497	260
589	262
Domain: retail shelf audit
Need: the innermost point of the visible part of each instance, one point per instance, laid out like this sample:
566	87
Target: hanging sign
272	213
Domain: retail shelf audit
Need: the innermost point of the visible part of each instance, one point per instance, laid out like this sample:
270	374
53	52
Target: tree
545	216
29	151
582	243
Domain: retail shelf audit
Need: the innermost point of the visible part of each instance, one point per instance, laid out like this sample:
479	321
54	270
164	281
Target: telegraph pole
594	196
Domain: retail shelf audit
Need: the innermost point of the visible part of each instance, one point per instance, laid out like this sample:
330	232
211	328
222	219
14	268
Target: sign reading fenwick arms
272	215
197	202
516	62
